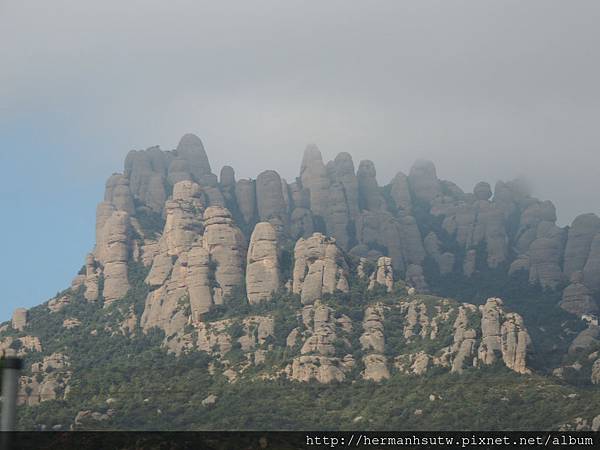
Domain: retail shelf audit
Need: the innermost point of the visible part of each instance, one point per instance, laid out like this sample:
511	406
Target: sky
487	90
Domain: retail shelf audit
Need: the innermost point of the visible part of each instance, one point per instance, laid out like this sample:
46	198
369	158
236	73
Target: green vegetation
150	389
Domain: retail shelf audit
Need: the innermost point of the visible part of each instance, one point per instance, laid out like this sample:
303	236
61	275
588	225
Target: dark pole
10	384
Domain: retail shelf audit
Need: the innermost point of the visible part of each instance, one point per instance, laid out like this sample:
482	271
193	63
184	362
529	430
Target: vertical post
10	384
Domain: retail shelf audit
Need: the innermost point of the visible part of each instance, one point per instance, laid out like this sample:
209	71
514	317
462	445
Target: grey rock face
470	263
180	276
50	377
424	182
416	278
227	187
373	339
147	171
473	224
245	192
586	339
530	223
343	174
503	335
313	175
191	150
375	367
91	279
338	219
118	193
226	246
401	237
591	270
445	261
482	191
384	275
302	224
369	196
319	267
577	298
269	197
112	252
596	372
545	257
19	319
400	193
317	361
227	177
183	222
262	271
579	242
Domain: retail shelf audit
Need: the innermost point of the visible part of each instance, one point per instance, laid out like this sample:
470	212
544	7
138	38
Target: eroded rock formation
319	268
262	271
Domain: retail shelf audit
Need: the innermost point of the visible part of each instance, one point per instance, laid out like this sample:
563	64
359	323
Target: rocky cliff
325	279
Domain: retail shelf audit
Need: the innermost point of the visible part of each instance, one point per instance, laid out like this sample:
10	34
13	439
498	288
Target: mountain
330	302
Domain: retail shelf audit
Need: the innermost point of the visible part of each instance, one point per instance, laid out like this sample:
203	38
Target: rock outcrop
147	171
383	275
245	193
596	372
49	381
318	360
226	245
313	176
319	268
262	271
270	201
19	319
577	298
424	182
579	242
117	193
112	252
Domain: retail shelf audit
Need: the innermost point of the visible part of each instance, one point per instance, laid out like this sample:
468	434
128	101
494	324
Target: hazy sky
487	89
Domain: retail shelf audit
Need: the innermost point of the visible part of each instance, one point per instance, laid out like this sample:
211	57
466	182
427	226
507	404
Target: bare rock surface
262	271
319	267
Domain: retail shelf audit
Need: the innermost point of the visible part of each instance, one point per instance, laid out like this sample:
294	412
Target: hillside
326	303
